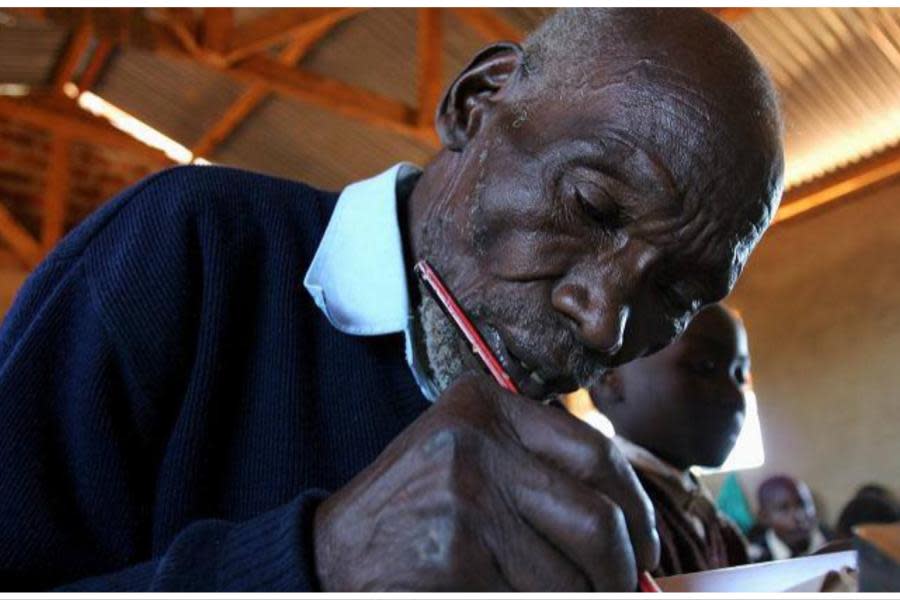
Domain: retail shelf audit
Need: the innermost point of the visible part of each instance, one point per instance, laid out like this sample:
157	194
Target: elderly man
178	413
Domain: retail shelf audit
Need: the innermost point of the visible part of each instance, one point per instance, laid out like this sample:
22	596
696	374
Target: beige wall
821	300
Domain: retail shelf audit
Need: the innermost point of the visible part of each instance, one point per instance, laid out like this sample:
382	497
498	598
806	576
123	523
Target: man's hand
489	491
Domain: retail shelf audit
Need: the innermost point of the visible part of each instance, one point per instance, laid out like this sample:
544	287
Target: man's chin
535	382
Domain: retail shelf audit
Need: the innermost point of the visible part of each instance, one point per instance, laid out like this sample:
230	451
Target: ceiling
333	95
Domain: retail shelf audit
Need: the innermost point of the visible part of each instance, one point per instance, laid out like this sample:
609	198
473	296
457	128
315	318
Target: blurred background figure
787	521
682	407
872	503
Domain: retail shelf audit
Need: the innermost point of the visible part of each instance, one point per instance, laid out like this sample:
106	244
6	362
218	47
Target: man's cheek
517	254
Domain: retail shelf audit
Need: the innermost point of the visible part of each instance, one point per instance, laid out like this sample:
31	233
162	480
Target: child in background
787	522
873	503
681	407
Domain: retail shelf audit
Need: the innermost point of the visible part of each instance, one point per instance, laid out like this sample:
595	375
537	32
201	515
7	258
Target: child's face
789	510
686	403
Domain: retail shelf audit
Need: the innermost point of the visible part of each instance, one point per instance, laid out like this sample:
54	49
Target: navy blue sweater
173	406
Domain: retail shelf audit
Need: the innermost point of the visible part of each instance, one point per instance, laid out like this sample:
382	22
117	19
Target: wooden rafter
119	26
78	44
96	64
488	23
56	192
10	260
230	119
183	25
19	240
429	50
83	129
281	25
33	12
879	169
350	101
339	97
218	24
730	13
247	102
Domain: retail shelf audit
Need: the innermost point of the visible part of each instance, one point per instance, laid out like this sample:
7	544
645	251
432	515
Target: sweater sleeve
95	358
271	552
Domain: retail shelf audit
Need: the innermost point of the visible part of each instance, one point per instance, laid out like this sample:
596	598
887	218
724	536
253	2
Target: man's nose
599	324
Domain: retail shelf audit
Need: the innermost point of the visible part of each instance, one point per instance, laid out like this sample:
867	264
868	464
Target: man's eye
602	210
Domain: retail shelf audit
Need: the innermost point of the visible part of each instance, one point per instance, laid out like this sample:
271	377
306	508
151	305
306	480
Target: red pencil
471	334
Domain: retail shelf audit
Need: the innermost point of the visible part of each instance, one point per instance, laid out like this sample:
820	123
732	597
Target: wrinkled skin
562	506
786	506
583	237
581	223
685	403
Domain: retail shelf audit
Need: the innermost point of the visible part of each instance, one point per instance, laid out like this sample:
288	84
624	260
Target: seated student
787	525
872	503
680	407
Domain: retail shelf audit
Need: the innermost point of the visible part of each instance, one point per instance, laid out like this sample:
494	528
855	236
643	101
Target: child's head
686	402
786	506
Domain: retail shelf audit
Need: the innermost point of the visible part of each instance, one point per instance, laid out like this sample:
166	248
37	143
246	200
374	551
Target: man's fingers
451	557
586	454
529	561
588	528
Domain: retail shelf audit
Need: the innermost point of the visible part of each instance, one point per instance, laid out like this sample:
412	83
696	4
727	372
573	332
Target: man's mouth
532	381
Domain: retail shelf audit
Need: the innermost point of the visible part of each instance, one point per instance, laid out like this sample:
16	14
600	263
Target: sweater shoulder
161	204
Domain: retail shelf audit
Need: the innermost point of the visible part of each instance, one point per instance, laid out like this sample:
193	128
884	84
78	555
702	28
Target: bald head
690	64
627	45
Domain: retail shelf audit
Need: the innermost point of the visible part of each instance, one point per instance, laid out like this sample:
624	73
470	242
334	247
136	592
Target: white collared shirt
781	551
358	275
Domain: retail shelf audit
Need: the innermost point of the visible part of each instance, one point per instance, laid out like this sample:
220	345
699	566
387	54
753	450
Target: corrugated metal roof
526	19
837	70
180	98
838	73
375	50
29	49
460	46
293	140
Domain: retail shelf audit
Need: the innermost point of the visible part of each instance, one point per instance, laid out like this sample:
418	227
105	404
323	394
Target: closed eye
608	216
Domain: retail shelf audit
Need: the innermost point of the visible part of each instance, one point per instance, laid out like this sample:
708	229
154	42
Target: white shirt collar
781	551
358	274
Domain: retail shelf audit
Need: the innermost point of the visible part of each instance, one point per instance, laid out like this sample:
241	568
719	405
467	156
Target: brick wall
23	161
96	174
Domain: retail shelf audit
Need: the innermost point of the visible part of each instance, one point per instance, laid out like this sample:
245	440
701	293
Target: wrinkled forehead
700	171
662	105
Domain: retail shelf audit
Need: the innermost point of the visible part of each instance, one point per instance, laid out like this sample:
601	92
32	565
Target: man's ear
461	111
